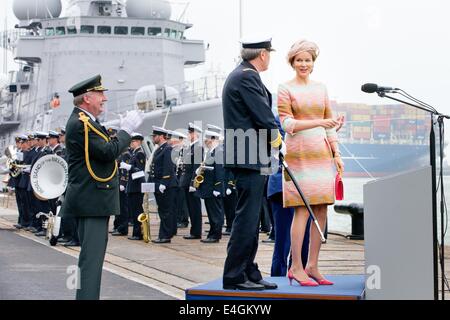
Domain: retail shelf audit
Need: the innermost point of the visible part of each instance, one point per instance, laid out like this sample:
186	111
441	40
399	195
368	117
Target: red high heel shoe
322	282
307	283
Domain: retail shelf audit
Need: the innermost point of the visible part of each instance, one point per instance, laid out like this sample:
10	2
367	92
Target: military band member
20	191
62	137
182	212
162	174
136	177
121	222
192	157
25	182
247	107
40	205
229	201
53	143
212	189
93	189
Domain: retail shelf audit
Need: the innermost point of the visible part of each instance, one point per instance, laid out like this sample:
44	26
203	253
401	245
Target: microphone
372	87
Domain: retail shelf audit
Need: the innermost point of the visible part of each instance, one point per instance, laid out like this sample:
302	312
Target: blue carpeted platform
346	287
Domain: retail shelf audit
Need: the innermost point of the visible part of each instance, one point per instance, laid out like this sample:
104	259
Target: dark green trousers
93	233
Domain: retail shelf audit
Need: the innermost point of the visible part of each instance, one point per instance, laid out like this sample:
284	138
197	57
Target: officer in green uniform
92	194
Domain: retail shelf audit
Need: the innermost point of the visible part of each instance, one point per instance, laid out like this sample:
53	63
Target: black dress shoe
72	244
267	285
182	225
161	241
268	241
191	237
33	230
117	233
63	240
247	285
209	240
226	233
41	233
134	238
113	230
18	226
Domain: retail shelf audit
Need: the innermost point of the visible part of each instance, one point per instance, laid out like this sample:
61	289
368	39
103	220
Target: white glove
162	188
198	171
192	189
216	193
27	169
125	166
281	150
131	121
228	192
122	188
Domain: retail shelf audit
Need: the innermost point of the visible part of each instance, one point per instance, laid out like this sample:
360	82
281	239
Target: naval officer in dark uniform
247	110
136	177
192	158
162	174
93	189
212	189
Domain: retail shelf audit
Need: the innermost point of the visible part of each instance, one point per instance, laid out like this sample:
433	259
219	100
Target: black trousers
121	222
266	213
229	207
69	226
243	244
214	207
195	212
165	202
135	209
23	206
93	234
182	209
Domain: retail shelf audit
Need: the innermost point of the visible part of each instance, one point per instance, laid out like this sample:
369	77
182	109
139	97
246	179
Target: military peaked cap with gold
92	84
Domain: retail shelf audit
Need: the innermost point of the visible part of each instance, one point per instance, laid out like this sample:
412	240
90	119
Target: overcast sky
401	43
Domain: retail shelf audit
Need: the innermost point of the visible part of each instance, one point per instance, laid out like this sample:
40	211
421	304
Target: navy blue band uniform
213	182
133	189
162	172
192	157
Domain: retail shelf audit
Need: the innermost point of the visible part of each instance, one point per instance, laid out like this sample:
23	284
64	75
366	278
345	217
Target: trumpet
144	219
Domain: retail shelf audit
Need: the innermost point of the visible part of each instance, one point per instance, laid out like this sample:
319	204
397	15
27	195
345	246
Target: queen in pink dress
312	154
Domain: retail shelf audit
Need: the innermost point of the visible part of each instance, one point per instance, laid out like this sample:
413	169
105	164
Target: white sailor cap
53	134
23	137
179	135
158	131
137	136
40	135
211	134
62	131
257	43
214	128
193	128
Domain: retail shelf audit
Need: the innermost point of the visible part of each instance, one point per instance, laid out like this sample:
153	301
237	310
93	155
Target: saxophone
144	219
200	177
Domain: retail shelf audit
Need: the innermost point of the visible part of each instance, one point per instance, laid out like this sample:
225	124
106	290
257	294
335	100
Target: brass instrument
49	179
200	177
15	169
144	219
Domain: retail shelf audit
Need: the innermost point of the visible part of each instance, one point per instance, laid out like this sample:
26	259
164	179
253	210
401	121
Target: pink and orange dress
309	154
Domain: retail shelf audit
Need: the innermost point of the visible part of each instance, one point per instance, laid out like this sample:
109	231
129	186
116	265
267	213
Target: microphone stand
440	121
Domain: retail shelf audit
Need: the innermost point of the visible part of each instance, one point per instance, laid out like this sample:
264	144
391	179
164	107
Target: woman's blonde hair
303	46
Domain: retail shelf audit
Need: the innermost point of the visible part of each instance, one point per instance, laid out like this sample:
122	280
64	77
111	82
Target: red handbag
339	187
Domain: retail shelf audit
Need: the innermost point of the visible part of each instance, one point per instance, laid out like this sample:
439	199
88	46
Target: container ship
379	140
